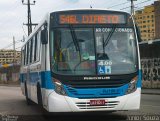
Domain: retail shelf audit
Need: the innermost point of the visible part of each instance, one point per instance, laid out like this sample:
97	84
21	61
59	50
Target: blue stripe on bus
44	78
96	92
46	82
100	92
139	82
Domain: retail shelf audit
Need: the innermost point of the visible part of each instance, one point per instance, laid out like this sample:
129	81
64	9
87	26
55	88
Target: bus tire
28	101
39	95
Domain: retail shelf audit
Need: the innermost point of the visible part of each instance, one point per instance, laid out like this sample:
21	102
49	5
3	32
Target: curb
9	85
150	93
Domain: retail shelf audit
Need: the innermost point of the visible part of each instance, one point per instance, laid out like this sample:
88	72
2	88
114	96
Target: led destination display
91	19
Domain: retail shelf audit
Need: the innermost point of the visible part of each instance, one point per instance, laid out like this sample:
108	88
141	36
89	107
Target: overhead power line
11	44
117	5
135	4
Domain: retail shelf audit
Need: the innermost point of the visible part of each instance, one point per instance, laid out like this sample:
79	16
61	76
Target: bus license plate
97	102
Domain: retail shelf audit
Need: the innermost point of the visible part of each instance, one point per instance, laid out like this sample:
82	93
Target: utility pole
29	24
132	6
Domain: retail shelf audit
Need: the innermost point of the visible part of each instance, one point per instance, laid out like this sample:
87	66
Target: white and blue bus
83	60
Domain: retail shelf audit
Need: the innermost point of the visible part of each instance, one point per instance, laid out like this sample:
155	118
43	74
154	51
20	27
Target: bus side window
23	56
27	52
38	45
31	49
35	49
52	45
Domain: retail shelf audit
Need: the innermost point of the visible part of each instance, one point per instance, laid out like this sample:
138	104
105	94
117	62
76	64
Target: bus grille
90	94
86	105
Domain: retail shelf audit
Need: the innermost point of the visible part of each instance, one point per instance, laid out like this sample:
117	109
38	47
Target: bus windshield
93	51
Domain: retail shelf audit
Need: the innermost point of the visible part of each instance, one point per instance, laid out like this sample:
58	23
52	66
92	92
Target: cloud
72	1
13	14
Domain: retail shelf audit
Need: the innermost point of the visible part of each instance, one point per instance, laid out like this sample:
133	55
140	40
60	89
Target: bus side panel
23	79
34	80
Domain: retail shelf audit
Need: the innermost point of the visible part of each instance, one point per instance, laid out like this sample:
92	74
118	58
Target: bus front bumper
59	103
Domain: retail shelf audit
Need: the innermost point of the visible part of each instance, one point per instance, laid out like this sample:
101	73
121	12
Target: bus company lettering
111	91
88	19
96	78
116	30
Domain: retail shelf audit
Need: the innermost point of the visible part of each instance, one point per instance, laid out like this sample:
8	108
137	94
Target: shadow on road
92	116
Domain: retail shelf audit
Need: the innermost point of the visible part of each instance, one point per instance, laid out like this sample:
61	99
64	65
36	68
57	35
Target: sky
13	14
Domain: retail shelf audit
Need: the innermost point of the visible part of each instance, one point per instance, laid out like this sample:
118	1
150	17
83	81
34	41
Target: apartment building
7	56
148	21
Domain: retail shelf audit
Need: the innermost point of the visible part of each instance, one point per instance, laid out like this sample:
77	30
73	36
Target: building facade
148	20
157	19
9	56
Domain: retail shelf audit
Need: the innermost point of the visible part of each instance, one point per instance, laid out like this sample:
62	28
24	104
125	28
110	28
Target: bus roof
98	9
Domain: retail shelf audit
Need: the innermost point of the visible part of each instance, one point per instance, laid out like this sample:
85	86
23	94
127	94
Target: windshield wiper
74	38
105	42
109	35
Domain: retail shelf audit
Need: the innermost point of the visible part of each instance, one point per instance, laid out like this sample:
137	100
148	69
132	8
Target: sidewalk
10	84
151	91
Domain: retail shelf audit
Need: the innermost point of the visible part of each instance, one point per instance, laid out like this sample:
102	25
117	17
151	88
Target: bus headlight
132	85
59	87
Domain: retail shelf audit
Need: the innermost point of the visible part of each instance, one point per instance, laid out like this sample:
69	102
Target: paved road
12	102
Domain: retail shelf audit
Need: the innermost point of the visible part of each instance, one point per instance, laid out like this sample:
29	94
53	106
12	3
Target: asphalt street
13	106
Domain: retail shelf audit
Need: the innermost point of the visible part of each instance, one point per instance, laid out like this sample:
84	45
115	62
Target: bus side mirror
44	36
138	34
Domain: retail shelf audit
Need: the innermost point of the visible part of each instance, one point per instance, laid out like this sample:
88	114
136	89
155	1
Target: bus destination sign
91	19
